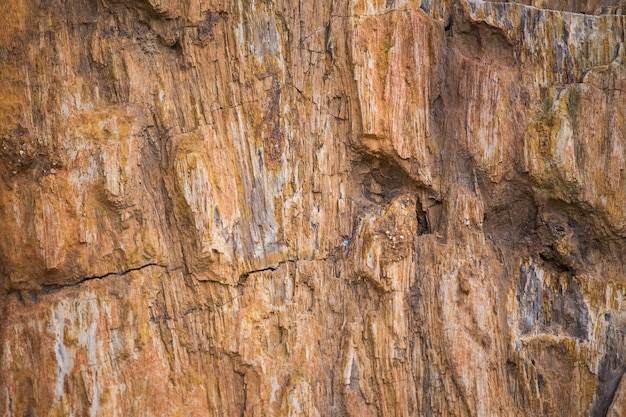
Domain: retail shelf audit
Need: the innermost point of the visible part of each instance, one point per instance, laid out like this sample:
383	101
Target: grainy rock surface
312	208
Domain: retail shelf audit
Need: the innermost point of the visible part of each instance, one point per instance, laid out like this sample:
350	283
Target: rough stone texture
312	208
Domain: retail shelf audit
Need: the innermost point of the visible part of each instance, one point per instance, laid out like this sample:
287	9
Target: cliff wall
312	208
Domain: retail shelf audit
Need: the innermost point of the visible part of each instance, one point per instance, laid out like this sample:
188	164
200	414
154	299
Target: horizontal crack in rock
47	289
119	274
273	267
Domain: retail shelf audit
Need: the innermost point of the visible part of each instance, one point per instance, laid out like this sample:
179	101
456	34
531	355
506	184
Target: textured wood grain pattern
312	208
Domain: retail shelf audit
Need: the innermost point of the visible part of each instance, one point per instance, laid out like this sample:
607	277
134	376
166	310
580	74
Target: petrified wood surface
312	208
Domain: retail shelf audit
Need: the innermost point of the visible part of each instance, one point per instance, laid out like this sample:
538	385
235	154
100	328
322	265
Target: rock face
312	208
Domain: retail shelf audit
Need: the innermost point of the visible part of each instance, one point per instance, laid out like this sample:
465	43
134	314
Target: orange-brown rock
312	208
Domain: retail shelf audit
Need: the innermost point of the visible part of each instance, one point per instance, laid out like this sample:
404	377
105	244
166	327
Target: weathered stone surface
354	207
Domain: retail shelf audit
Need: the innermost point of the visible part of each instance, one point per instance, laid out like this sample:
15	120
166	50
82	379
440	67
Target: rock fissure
274	267
52	288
